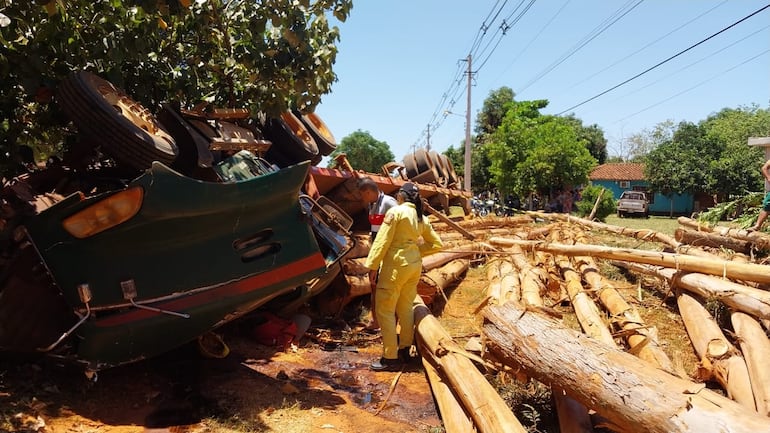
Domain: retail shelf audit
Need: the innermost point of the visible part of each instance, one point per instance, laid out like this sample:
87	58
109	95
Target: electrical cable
601	28
666	60
693	87
642	48
684	68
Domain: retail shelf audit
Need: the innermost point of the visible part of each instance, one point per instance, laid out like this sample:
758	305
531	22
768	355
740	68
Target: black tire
422	158
452	179
321	133
194	152
290	138
439	164
126	130
410	165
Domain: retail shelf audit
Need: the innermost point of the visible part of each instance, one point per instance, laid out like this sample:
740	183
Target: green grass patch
662	224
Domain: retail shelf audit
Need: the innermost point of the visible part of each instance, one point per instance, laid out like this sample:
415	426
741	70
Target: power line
531	41
643	48
696	62
504	27
665	61
693	87
601	28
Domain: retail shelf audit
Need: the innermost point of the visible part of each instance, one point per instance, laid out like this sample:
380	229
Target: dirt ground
324	386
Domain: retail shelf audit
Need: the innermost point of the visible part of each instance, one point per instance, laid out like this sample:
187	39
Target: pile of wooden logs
614	371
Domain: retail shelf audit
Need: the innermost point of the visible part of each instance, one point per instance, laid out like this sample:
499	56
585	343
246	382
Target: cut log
532	278
642	339
453	414
641	234
738	297
713	240
585	309
733	270
440	279
718	357
620	387
441	258
761	240
480	400
756	348
448	222
355	266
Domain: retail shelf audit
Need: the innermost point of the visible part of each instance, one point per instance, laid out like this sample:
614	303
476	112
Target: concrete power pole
427	146
467	167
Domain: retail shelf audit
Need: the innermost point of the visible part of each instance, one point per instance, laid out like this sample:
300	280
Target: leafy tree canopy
493	111
638	145
593	136
712	156
264	55
364	152
533	152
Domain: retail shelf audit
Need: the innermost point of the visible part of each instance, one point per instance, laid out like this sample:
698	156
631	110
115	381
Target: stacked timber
609	367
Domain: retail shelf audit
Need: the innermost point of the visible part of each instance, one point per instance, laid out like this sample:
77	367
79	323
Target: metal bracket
129	293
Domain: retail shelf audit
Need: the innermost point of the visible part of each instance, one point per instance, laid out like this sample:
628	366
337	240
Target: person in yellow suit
397	253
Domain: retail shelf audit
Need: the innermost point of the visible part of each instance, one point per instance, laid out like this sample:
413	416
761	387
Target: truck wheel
290	138
321	134
411	165
127	131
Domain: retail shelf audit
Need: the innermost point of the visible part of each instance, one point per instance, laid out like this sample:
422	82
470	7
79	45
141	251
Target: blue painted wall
660	204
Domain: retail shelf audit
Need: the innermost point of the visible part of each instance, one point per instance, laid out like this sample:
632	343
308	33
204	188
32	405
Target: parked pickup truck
633	202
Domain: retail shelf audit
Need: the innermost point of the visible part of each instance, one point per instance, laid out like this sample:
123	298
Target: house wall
659	203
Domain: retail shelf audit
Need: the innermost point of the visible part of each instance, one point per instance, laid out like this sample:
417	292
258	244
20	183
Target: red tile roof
618	171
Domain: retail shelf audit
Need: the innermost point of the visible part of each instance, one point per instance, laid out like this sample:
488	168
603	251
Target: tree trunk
620	387
439	279
585	309
718	357
441	258
642	340
761	240
481	401
756	349
641	234
449	222
453	415
733	270
701	239
736	296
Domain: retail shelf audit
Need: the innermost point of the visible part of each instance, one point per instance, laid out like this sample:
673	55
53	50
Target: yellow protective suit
398	255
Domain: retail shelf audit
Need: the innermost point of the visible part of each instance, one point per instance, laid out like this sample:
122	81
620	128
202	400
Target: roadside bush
588	198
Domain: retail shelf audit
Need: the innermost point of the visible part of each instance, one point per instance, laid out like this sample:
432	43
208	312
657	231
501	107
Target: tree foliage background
265	55
711	156
364	152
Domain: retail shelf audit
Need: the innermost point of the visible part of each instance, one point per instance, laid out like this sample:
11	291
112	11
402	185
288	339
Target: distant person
378	204
397	254
765	203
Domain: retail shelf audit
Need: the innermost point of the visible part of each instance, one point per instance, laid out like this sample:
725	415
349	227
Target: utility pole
427	146
467	167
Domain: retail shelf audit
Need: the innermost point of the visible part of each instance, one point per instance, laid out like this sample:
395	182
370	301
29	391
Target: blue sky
397	59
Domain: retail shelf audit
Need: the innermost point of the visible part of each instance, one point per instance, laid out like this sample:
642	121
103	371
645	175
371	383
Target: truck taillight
113	210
